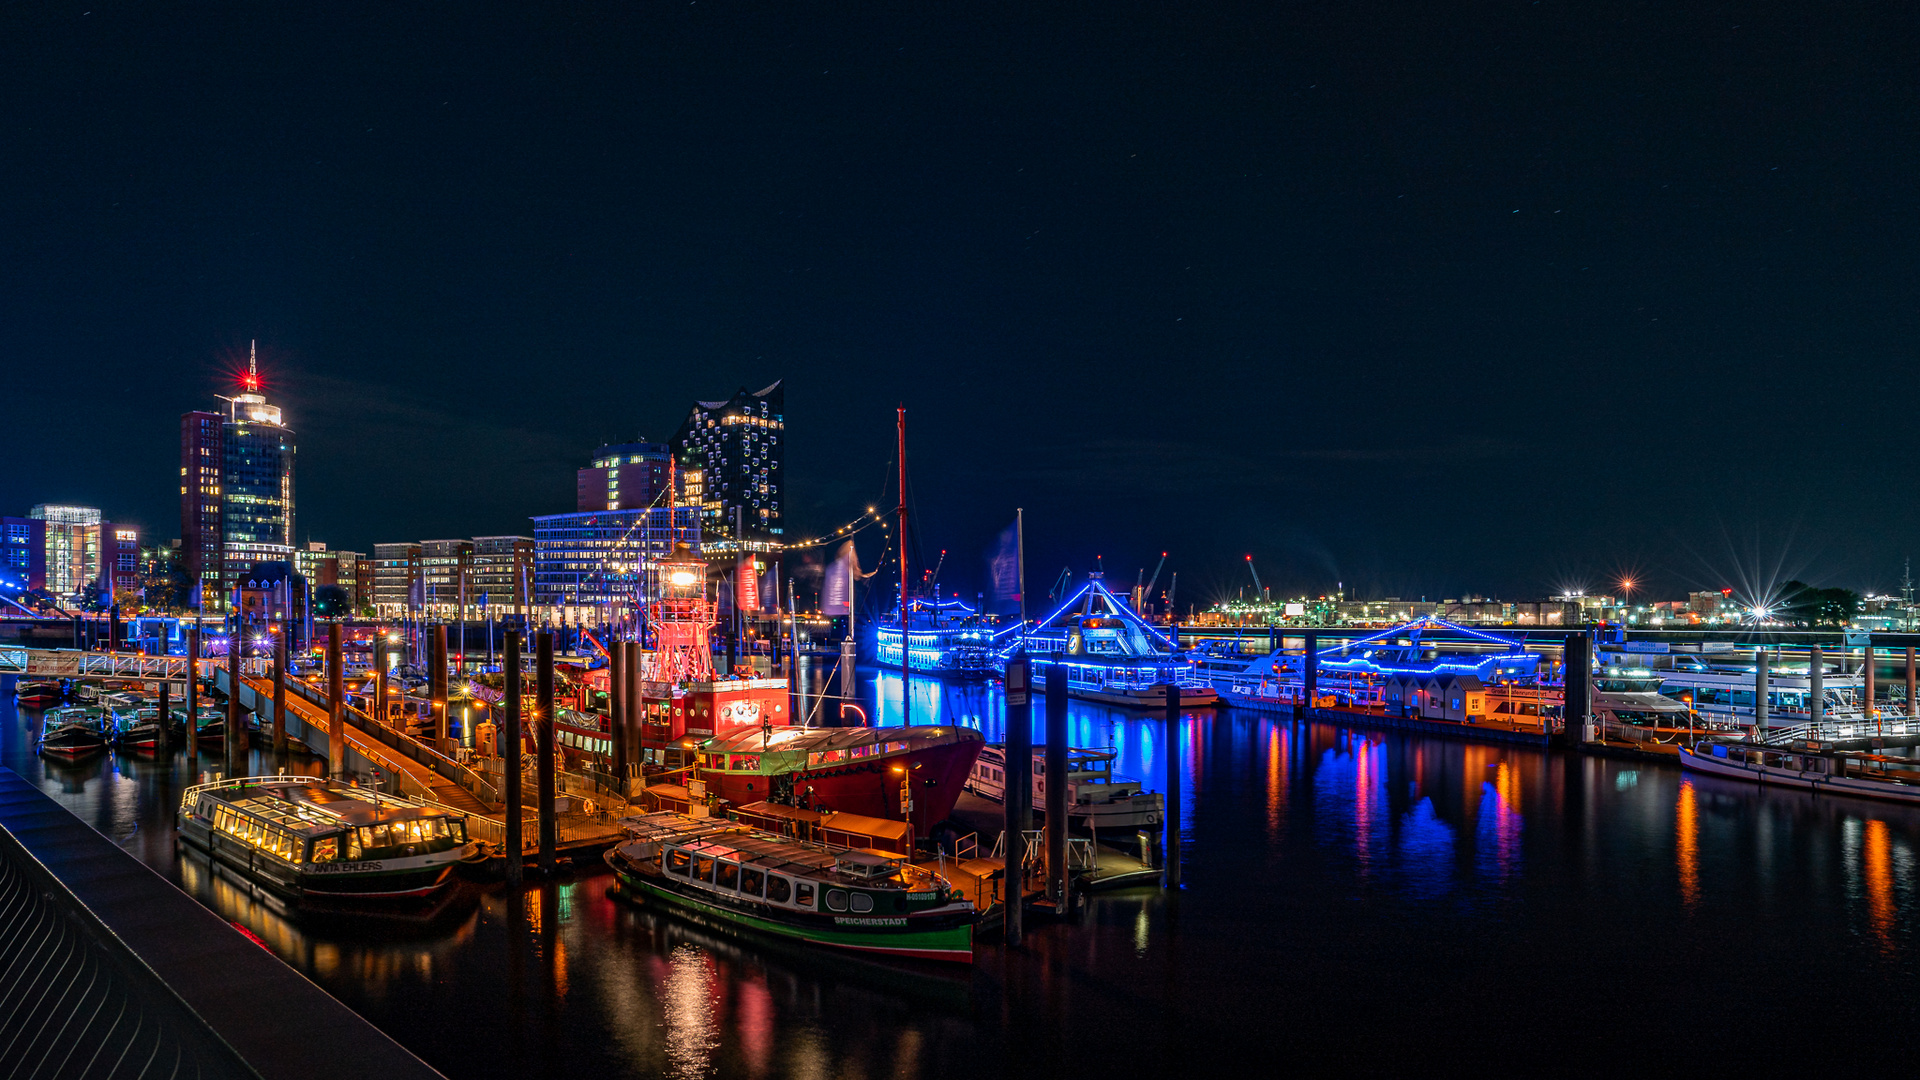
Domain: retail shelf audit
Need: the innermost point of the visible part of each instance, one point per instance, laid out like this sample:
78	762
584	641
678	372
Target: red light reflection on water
1686	826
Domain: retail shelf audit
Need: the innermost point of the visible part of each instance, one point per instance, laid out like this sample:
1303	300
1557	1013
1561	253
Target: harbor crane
1259	590
1141	592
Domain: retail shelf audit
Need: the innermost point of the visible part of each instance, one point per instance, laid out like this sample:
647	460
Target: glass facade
607	556
256	496
730	455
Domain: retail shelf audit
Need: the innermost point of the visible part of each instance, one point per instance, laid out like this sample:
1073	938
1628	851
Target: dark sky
1429	298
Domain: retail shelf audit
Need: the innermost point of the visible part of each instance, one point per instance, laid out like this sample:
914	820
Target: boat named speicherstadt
730	877
1873	776
306	838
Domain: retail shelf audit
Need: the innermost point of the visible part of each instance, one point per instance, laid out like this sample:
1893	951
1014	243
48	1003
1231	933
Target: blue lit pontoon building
1111	654
586	565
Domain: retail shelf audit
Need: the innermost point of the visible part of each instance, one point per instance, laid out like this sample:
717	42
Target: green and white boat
308	838
727	876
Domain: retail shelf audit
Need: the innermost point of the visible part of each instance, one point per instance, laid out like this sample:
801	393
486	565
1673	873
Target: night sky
1433	299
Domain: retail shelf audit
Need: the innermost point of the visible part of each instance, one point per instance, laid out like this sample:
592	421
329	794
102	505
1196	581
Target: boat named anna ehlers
725	875
308	838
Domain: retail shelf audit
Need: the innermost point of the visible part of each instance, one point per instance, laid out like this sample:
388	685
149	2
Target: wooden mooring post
1018	793
510	774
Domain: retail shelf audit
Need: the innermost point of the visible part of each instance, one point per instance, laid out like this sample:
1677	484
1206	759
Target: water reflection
1333	873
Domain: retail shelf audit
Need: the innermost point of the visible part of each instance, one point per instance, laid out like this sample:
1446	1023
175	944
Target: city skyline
1469	323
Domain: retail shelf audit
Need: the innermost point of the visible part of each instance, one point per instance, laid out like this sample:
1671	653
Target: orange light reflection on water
1878	860
1686	826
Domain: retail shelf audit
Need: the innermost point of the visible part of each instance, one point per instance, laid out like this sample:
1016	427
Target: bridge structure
76	663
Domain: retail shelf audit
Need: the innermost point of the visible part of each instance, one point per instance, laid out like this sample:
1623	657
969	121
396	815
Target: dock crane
1173	587
1259	590
1141	592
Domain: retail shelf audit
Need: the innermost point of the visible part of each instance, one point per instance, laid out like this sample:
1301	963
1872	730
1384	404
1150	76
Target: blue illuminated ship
1111	654
1356	673
944	638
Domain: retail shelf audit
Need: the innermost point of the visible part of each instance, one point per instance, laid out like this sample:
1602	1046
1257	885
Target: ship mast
906	644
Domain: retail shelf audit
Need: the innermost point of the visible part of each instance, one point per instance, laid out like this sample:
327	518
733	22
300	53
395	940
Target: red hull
868	786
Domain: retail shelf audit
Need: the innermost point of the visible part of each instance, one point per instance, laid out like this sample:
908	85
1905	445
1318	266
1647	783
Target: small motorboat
75	731
38	692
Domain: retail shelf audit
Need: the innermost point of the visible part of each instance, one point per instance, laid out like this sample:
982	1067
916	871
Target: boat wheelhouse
1111	654
1095	797
948	639
303	837
724	875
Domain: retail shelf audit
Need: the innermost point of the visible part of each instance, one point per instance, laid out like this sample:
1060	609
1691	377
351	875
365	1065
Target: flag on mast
1003	565
746	585
836	593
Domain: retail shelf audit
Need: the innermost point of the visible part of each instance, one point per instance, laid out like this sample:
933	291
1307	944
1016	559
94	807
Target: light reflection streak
1877	859
1277	779
1686	826
691	1035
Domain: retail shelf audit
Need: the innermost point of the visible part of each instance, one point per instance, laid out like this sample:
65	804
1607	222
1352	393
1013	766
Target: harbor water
1354	902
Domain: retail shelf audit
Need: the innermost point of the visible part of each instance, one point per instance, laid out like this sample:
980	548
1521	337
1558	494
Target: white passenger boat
1873	776
304	837
1112	655
1095	797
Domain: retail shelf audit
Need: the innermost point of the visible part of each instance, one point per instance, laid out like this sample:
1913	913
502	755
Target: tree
1802	604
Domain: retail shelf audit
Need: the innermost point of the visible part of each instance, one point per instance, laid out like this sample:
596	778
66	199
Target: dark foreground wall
107	969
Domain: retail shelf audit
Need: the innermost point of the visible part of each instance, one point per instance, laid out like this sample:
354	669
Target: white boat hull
1777	776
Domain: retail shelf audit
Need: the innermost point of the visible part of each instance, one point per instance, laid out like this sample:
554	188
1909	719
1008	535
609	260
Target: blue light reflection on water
1359	898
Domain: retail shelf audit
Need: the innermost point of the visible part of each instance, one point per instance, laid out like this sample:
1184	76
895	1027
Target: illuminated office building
624	476
236	490
606	557
729	455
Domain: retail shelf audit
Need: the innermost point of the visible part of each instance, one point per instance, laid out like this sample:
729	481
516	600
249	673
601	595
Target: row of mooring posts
1017	801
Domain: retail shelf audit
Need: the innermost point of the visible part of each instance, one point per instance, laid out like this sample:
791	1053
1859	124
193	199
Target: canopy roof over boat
323	805
806	740
1094	624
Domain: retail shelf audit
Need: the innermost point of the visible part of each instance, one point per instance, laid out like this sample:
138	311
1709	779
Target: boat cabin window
703	869
836	899
352	837
728	876
678	862
862	903
326	849
803	893
751	881
745	763
778	888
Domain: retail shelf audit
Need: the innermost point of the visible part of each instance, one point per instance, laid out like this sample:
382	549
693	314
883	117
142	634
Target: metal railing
408	746
76	663
1846	727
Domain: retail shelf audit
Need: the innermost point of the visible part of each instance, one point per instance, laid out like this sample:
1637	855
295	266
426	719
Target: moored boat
724	875
303	837
1111	654
947	639
1873	776
75	731
902	773
41	692
1095	797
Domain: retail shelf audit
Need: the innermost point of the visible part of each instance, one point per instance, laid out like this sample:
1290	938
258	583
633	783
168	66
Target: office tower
236	489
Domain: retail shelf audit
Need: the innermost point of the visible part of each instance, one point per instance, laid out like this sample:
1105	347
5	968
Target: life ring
1153	818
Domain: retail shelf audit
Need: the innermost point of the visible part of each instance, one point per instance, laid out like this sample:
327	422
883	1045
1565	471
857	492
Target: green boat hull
953	943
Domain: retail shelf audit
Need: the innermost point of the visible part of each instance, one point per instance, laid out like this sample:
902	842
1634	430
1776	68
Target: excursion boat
305	838
1111	654
910	773
726	876
1095	797
1874	776
75	731
947	639
39	692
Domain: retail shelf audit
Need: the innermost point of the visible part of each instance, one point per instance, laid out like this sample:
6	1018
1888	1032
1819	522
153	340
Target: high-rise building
502	576
607	557
625	476
243	513
729	454
323	566
200	459
396	579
